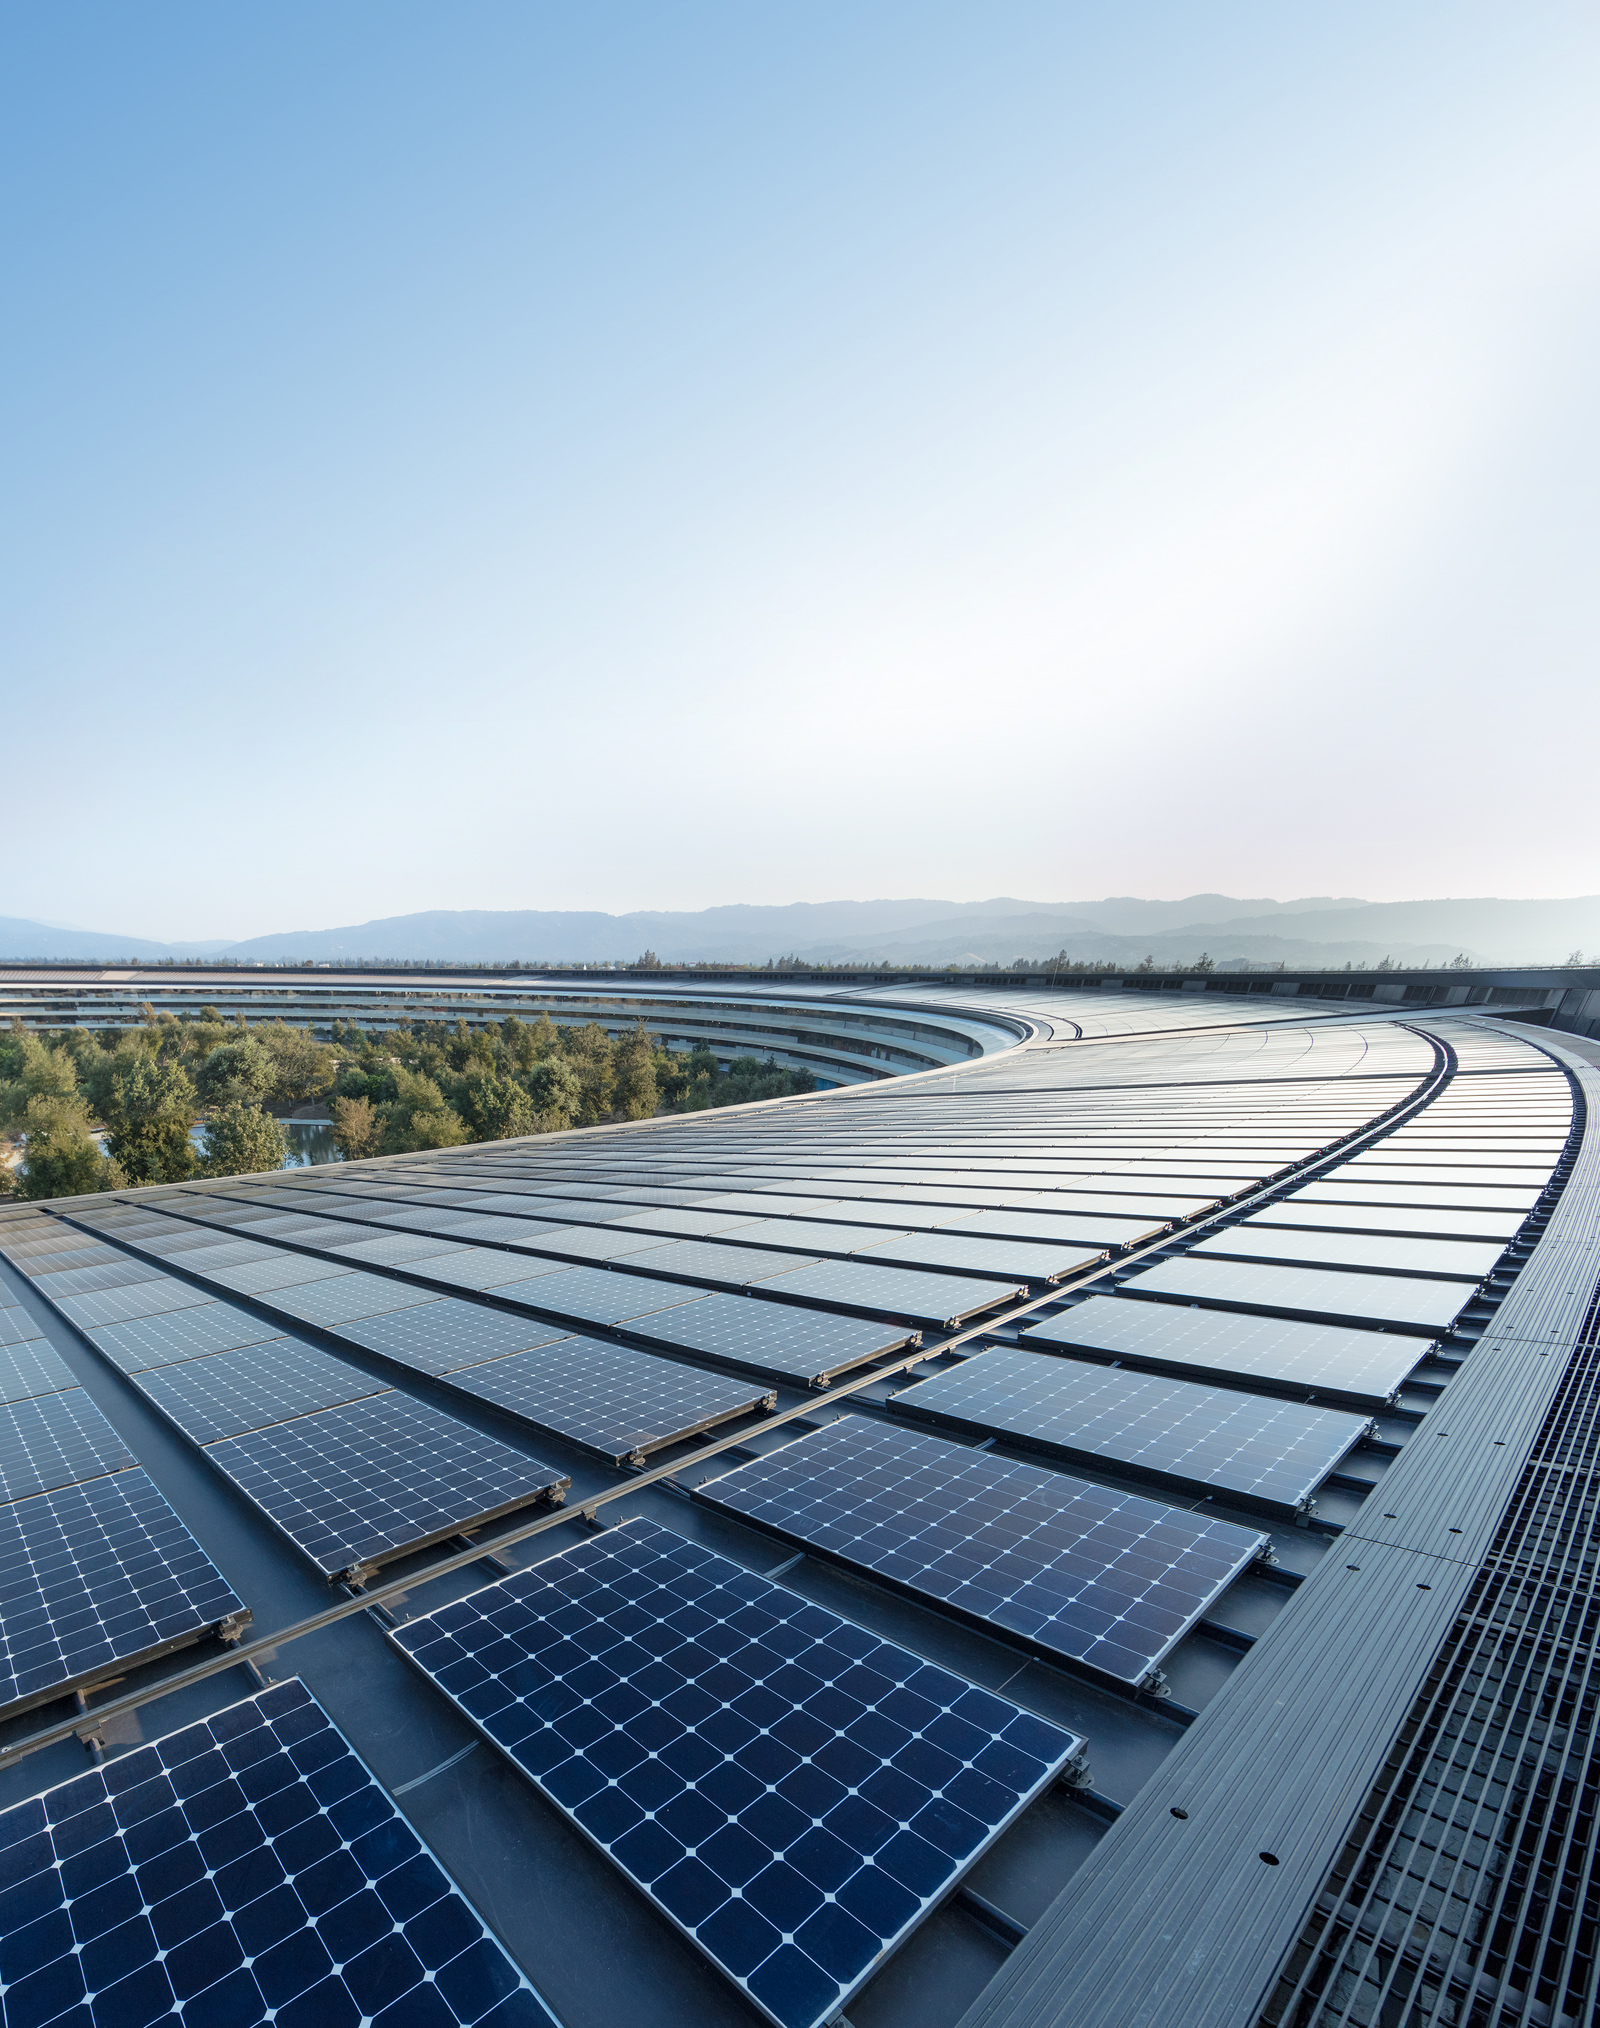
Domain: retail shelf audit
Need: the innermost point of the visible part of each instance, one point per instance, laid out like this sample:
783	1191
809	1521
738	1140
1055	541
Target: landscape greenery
108	1109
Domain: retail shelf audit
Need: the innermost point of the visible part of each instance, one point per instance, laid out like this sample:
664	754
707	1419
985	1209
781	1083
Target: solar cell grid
245	1869
601	1295
792	1792
186	1334
607	1398
441	1337
898	1292
55	1440
1324	1359
1457	1259
31	1367
231	1392
123	1306
17	1326
1396	1302
96	1575
1084	1573
359	1483
730	1266
1420	1222
1267	1453
345	1298
776	1339
1010	1260
272	1270
120	1272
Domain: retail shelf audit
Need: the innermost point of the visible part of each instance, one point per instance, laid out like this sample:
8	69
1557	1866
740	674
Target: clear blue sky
621	456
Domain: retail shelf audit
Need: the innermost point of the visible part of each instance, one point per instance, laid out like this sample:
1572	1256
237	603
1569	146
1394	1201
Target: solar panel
1264	1452
93	1577
607	1398
17	1326
776	1339
1005	1259
1395	1302
605	1295
731	1266
1320	1359
398	1248
1067	1229
185	1334
934	1300
32	1368
485	1267
1306	1213
440	1337
122	1306
245	1869
271	1270
360	1483
55	1440
588	1242
231	1392
793	1793
347	1298
1449	1259
118	1273
1081	1572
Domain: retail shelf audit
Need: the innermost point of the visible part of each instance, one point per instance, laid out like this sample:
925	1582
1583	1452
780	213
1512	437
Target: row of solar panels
795	1851
644	1756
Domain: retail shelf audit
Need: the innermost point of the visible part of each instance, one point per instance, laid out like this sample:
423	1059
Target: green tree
556	1094
37	1069
303	1065
418	1117
496	1108
357	1129
148	1109
241	1139
592	1056
635	1095
63	1158
236	1073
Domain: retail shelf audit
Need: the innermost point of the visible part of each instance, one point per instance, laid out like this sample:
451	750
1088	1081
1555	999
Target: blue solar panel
231	1392
246	1869
1080	1571
183	1334
794	1793
93	1577
55	1440
618	1403
780	1339
1266	1452
363	1482
17	1327
31	1367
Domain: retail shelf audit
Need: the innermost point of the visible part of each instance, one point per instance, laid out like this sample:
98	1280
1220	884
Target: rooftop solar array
1450	1259
621	1292
608	1399
245	1869
1390	1302
184	1334
1083	1572
1237	1347
29	1367
1260	1451
96	1576
792	1792
229	1393
367	1481
55	1440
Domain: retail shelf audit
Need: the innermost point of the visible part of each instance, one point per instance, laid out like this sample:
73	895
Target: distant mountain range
1314	930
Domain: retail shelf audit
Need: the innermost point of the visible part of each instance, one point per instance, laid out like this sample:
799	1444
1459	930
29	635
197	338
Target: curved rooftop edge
1291	1301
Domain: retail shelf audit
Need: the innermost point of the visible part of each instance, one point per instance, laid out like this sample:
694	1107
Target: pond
310	1141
